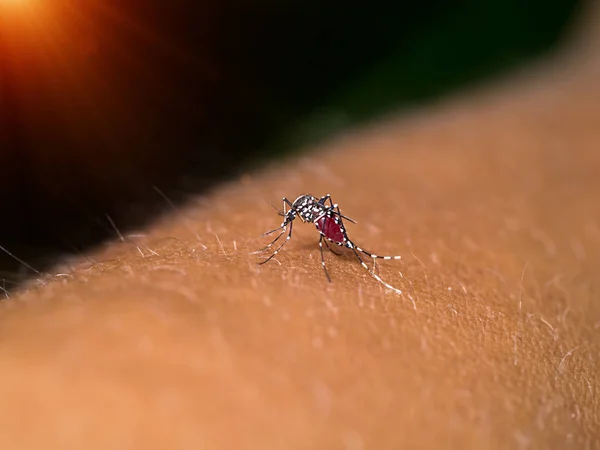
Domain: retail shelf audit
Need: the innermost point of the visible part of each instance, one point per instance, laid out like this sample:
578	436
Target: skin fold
176	338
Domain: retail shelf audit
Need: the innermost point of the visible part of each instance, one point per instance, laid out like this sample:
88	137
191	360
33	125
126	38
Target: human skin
178	339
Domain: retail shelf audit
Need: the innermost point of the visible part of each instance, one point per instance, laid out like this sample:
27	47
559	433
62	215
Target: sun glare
14	8
14	3
17	7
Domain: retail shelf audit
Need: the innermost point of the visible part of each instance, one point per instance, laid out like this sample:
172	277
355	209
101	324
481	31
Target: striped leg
373	274
282	227
333	206
288	237
323	258
329	247
374	256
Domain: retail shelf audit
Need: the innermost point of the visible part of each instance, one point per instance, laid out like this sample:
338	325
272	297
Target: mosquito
329	221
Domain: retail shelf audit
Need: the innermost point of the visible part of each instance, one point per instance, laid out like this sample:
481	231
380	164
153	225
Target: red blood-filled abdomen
330	229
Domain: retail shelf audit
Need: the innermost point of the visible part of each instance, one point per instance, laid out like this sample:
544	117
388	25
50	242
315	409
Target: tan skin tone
184	342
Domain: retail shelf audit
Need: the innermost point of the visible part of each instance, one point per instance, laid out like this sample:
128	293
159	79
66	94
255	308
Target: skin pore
176	338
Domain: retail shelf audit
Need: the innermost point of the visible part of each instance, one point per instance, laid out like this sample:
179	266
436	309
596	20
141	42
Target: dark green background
411	54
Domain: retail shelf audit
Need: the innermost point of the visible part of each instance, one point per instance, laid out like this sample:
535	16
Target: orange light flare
45	46
28	36
21	29
37	28
77	71
17	15
14	4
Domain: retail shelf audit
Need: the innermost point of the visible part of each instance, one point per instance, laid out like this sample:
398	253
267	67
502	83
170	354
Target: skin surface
177	339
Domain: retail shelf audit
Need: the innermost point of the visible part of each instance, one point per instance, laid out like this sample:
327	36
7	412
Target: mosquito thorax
308	208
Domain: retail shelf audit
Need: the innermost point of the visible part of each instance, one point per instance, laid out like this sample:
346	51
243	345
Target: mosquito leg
282	227
274	240
373	274
323	258
330	249
323	199
374	256
333	206
288	237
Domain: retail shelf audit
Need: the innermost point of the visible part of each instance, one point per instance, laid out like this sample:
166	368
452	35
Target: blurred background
101	100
